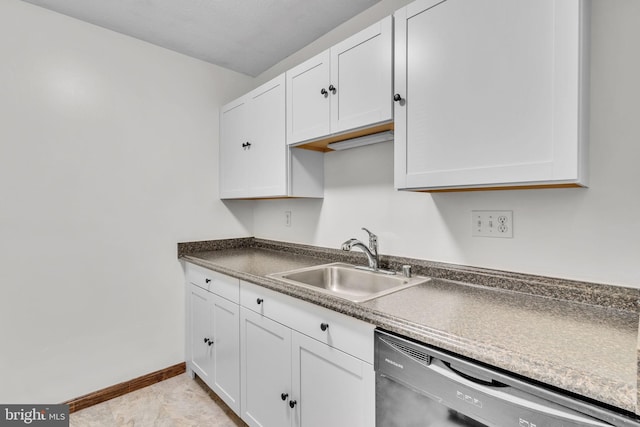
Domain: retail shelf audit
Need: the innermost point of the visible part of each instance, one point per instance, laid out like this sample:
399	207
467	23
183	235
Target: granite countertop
583	338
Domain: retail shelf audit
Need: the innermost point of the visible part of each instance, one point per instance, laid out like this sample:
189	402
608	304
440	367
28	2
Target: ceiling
248	36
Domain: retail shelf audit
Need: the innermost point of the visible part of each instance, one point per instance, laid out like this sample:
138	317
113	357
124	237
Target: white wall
587	234
370	16
108	158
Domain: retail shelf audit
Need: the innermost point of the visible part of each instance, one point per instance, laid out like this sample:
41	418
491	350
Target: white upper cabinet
362	78
344	88
308	104
233	178
255	161
494	94
267	169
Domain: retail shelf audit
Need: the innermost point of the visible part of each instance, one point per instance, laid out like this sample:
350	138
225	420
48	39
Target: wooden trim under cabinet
123	388
515	187
322	144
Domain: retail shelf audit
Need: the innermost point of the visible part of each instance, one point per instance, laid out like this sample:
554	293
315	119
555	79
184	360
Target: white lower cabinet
291	379
213	343
275	360
200	304
265	371
333	388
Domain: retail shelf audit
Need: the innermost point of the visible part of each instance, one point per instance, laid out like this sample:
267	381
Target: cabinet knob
333	89
324	326
246	145
208	341
284	396
292	404
259	301
324	92
207	280
397	97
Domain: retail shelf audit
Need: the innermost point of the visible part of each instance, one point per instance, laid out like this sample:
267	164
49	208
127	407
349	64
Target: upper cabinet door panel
233	134
482	107
267	169
361	74
308	101
492	93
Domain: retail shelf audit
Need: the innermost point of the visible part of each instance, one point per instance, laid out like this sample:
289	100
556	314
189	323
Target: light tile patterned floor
176	402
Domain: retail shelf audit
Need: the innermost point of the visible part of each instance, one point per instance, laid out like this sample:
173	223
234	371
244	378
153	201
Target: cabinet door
266	371
492	93
267	169
361	73
226	351
234	155
200	318
332	387
308	114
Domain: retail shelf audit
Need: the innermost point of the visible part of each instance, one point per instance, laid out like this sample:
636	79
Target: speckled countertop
576	336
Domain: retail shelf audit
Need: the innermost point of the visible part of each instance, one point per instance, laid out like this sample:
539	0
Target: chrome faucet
371	252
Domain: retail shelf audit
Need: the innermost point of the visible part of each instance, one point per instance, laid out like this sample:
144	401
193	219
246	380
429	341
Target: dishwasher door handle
499	391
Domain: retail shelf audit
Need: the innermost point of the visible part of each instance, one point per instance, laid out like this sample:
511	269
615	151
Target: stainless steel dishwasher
420	386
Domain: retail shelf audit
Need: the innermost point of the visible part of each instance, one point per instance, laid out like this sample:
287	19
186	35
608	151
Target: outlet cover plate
492	224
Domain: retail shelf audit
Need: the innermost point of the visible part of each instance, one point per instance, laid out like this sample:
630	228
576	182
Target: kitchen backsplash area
556	232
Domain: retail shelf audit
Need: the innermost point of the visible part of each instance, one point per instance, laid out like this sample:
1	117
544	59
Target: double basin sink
348	281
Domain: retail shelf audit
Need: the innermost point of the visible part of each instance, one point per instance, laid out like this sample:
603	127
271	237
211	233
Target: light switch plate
492	224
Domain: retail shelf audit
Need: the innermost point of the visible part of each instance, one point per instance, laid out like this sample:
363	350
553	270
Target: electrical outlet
492	224
287	218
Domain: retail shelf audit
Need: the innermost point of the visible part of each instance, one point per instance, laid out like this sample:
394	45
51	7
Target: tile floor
176	402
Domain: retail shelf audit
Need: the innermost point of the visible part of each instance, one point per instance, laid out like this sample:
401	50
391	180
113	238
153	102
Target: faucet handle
373	240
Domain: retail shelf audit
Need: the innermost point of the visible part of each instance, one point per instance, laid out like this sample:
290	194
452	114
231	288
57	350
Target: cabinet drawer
345	333
219	284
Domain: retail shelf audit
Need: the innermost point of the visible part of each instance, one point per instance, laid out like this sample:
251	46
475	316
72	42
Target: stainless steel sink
347	281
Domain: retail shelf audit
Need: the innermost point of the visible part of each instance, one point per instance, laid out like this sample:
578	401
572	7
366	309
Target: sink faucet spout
371	252
346	246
